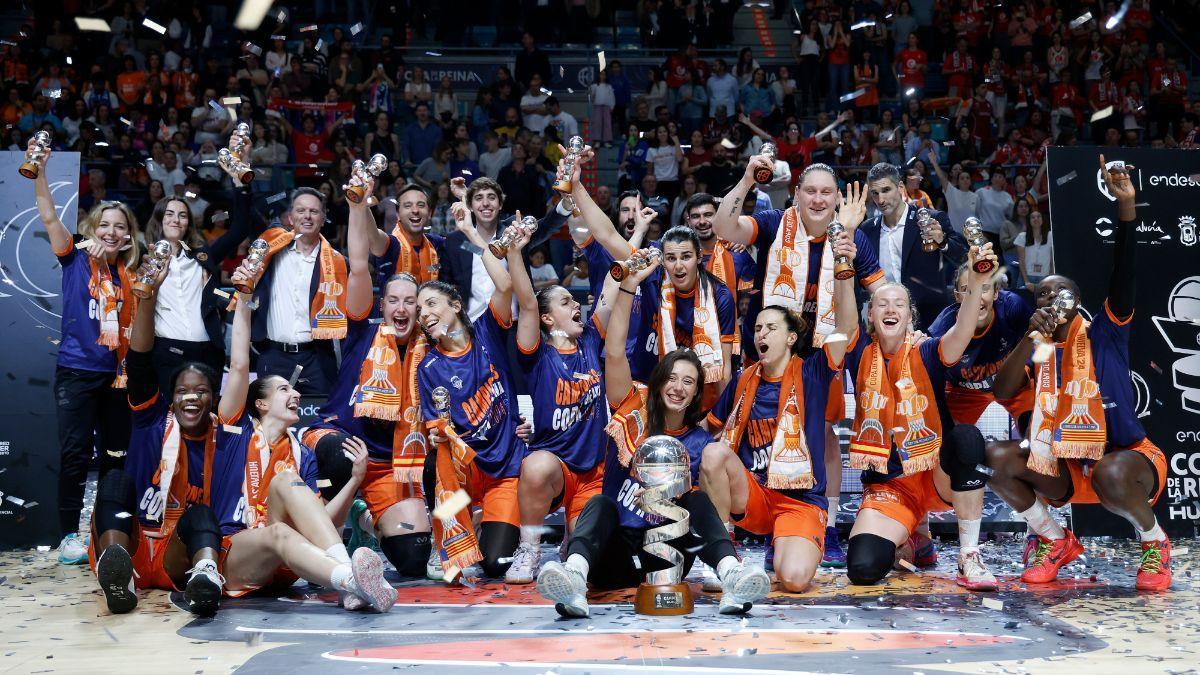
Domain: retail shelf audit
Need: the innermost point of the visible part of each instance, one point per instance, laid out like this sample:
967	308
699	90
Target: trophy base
763	177
929	247
244	287
499	251
984	266
354	194
246	177
618	271
29	169
142	290
842	272
563	186
664	599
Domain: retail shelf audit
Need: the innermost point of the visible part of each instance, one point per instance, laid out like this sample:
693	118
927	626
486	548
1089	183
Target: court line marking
593	605
638	667
608	631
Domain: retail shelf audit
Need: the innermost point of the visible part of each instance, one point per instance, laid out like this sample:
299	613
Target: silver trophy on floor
661	465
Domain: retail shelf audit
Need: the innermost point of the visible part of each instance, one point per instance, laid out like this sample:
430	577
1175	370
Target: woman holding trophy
189	314
610	532
98	305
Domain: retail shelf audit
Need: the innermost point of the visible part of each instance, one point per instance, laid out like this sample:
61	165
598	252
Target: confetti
320	44
356	28
156	27
252	48
908	566
251	14
1118	17
321	483
15	500
603	63
992	603
547	92
862	24
1080	20
278	197
852	95
728	144
433	53
1102	113
91	24
295	375
229	428
221	293
220	217
471	248
985	470
1063	180
447	509
231	100
309	28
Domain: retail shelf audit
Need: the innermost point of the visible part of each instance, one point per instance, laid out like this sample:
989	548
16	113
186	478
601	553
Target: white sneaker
973	575
369	580
73	549
203	590
114	572
708	577
743	586
524	564
433	566
566	588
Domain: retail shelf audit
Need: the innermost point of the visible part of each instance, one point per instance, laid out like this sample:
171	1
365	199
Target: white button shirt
288	314
891	245
177	310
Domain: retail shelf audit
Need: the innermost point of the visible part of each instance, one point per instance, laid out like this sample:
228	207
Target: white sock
338	554
832	511
342	578
366	523
1153	534
531	534
725	564
578	563
1041	522
968	535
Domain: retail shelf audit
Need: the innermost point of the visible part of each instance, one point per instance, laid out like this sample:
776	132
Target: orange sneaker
1155	571
1049	557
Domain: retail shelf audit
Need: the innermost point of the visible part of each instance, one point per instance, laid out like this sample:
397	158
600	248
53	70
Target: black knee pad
115	494
407	552
198	529
869	558
963	452
429	479
497	542
332	464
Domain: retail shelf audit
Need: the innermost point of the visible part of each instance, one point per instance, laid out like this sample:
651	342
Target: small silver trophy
762	175
924	218
255	259
973	232
500	246
662	465
376	166
32	166
842	268
156	259
574	150
232	159
639	261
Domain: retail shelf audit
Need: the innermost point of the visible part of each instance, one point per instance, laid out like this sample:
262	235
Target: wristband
626	290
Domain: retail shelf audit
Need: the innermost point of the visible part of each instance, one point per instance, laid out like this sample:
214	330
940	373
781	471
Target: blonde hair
129	256
907	294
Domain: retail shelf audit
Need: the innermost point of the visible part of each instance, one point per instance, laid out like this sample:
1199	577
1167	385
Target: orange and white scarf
115	311
454	537
175	493
409	445
896	406
1068	419
327	314
421	264
627	426
721	264
263	461
786	281
706	329
790	465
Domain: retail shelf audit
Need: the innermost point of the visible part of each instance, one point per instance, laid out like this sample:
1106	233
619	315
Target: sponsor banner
472	74
1164	349
30	298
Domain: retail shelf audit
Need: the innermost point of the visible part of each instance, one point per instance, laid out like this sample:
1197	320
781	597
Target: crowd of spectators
965	96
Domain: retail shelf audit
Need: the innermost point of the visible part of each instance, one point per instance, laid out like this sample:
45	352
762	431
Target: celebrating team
217	495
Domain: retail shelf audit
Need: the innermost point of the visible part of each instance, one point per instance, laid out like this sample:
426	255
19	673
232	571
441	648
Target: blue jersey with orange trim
685	307
568	398
385	265
622	485
339	408
145	454
483	406
938	373
80	323
755	447
981	361
743	268
766	227
229	473
1110	356
642	343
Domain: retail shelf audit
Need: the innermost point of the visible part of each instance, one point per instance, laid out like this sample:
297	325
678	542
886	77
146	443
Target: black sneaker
203	591
114	571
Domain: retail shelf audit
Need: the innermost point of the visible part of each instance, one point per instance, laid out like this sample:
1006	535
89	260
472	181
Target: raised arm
502	300
1121	283
955	341
598	223
729	223
237	382
358	249
529	321
143	380
618	378
60	236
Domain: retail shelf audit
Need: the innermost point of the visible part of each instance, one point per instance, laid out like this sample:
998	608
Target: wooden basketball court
53	619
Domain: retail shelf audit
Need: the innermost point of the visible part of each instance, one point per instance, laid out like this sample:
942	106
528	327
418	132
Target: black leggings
611	548
92	416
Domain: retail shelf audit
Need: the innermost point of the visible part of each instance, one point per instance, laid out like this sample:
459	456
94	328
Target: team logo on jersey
456	382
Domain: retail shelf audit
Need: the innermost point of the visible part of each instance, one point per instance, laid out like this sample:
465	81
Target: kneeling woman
166	482
264	492
563	362
915	459
609	532
774	482
467	361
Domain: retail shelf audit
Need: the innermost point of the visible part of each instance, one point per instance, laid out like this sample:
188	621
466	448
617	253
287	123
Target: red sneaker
1050	556
1155	572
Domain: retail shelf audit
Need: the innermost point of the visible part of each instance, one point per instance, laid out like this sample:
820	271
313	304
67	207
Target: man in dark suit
461	264
896	234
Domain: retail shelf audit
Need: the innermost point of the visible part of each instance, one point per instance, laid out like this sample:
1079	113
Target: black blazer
456	260
262	296
923	273
210	257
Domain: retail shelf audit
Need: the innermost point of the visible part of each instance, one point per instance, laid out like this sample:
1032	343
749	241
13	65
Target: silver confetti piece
295	375
1080	20
1063	180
